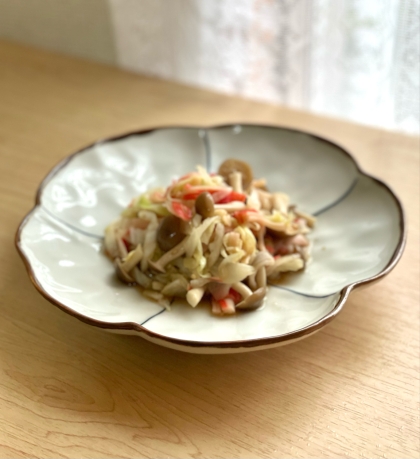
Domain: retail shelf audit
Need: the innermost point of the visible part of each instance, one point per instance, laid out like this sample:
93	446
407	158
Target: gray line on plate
207	148
154	315
69	225
307	295
341	198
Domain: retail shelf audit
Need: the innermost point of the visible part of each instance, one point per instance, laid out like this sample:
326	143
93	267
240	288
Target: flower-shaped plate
359	236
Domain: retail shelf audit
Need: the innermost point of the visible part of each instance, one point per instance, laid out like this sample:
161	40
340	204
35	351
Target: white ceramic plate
359	236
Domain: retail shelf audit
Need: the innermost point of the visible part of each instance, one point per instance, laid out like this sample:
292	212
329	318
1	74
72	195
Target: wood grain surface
70	390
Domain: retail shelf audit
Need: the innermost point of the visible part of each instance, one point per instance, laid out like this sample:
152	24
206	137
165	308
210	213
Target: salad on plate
218	236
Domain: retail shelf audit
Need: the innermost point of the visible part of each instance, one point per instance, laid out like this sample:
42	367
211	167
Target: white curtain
355	59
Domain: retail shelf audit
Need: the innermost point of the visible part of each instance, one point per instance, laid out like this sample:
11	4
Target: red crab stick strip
181	211
231	197
227	305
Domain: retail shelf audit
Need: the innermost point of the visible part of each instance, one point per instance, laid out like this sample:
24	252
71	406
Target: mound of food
220	236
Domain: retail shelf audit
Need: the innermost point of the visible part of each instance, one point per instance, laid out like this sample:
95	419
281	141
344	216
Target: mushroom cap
253	301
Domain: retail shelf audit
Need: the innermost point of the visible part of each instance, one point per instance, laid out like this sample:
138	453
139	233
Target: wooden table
70	390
